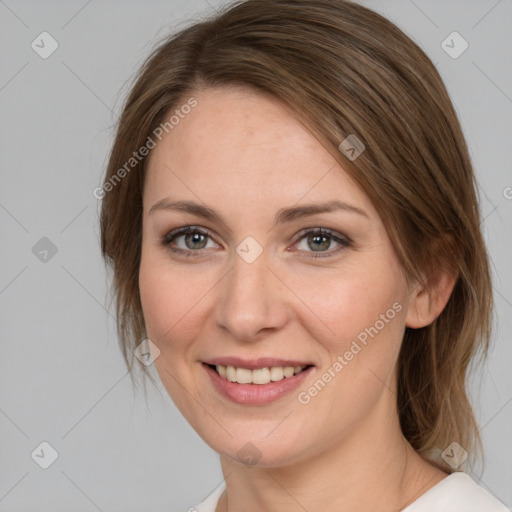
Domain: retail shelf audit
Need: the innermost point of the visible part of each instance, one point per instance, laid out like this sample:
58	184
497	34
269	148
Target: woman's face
257	288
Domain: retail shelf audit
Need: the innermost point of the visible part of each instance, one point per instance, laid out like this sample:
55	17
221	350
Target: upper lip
251	364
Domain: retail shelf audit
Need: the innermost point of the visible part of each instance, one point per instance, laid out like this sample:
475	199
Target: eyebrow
284	215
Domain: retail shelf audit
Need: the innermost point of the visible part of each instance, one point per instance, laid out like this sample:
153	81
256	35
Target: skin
242	154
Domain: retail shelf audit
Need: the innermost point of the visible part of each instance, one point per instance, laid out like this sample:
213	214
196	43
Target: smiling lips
258	375
256	371
252	393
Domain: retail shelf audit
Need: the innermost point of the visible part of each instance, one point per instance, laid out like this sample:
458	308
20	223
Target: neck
372	468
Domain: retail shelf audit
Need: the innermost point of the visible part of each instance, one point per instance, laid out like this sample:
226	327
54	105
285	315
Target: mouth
256	382
257	376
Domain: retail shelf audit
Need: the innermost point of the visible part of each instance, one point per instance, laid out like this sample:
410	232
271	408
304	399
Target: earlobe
428	303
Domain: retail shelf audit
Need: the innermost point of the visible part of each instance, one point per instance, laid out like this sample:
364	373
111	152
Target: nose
252	300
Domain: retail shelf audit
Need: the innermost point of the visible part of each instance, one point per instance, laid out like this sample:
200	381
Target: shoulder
457	492
210	502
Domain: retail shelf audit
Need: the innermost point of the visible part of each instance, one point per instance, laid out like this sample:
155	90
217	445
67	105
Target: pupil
195	238
319	238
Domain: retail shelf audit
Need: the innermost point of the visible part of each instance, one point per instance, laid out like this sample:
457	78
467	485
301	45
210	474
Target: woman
290	213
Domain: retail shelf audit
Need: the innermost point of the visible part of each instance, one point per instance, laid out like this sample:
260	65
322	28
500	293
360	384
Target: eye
187	240
319	240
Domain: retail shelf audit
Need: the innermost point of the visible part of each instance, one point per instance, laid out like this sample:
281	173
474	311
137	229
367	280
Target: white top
457	492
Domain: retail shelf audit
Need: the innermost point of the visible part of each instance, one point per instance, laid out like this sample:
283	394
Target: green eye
319	240
194	239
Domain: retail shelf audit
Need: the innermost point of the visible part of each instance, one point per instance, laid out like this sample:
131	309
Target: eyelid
323	231
342	240
184	230
168	238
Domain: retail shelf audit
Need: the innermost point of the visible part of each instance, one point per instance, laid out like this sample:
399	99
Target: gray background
62	376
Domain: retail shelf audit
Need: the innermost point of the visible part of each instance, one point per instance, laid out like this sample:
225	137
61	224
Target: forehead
240	145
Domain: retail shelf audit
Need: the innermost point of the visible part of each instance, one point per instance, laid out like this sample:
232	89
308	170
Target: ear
428	299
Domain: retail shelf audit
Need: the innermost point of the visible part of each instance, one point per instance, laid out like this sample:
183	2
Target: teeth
289	371
243	376
276	373
231	373
259	375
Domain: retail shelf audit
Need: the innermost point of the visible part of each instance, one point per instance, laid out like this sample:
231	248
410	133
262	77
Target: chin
251	444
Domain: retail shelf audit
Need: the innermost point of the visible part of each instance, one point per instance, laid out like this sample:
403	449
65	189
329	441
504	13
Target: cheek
170	303
168	297
364	311
351	302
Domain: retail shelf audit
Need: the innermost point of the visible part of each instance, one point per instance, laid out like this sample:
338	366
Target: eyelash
344	241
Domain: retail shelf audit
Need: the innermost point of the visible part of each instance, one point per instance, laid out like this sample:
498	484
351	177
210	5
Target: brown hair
342	69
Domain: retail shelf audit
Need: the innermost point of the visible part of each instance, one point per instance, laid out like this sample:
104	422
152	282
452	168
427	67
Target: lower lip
255	394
